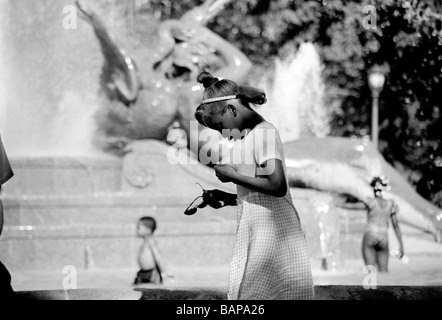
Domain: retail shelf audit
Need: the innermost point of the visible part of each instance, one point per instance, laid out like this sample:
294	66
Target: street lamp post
376	80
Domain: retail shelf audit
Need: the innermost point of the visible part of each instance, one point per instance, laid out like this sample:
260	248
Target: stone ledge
322	293
100	162
168	229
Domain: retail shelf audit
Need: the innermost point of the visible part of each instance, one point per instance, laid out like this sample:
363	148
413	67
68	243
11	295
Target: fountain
47	102
68	197
72	198
296	96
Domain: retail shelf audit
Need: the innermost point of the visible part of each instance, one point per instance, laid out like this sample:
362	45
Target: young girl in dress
270	258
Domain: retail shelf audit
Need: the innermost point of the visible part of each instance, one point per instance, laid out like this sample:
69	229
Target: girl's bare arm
271	181
398	232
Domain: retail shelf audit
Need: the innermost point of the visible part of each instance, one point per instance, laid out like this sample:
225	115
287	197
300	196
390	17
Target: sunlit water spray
296	96
48	81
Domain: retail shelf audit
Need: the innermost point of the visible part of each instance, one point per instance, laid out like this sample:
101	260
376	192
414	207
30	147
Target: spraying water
295	100
48	81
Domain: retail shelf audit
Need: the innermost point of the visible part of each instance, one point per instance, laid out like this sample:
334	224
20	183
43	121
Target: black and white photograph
235	152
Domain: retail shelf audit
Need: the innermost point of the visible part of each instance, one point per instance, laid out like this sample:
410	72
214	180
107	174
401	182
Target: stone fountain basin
82	212
322	293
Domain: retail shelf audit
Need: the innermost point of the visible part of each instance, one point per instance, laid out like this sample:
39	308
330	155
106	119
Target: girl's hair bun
206	79
252	95
261	99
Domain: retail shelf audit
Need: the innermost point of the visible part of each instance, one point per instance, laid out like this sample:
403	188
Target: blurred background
367	70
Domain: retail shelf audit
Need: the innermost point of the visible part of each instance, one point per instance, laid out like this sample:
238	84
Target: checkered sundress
270	257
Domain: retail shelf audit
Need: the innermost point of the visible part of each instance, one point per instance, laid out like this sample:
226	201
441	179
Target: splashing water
295	99
48	81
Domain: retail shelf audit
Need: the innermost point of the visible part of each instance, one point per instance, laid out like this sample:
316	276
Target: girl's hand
217	198
225	172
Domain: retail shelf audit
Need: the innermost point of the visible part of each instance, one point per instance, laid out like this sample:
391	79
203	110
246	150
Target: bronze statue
139	106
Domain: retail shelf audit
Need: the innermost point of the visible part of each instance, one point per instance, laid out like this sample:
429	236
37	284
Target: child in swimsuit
270	258
375	249
149	259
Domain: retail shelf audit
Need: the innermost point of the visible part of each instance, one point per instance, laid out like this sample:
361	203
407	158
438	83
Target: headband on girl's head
219	99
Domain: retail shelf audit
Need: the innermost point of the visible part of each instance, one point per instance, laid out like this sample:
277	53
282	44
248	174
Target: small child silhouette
152	269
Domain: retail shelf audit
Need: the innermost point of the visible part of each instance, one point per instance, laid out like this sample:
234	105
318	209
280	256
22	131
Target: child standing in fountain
375	249
5	174
270	258
152	268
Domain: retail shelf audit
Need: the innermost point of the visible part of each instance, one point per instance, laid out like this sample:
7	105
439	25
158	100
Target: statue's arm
119	77
397	230
205	12
237	64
